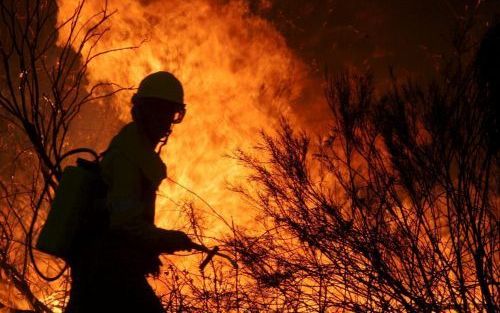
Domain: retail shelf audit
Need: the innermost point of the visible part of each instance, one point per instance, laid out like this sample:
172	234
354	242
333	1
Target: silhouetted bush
396	209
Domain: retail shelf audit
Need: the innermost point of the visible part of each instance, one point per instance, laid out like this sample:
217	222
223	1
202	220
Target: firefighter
109	275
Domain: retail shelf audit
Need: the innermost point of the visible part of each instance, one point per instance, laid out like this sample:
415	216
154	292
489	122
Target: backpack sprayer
54	239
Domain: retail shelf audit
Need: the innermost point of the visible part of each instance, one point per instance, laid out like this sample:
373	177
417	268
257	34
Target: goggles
179	116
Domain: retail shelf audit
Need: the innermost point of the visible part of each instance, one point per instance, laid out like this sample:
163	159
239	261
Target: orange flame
238	76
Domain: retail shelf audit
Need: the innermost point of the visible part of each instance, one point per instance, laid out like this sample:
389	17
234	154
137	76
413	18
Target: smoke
410	36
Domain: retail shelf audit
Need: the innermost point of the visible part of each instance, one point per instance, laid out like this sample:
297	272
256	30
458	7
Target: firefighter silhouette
109	271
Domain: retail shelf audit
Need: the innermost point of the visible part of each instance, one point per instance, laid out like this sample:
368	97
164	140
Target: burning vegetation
388	203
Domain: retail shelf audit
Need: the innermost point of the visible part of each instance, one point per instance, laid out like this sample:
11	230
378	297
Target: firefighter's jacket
133	171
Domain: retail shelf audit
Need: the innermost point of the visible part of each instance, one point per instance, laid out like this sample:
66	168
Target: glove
174	240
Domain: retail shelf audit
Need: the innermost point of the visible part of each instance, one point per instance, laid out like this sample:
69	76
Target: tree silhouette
43	87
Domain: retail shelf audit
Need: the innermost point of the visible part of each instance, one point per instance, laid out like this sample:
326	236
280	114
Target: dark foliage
395	210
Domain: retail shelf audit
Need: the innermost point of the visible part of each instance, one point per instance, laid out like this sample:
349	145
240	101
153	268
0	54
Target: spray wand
210	254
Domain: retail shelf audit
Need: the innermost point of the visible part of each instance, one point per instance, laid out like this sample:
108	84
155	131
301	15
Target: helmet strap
163	142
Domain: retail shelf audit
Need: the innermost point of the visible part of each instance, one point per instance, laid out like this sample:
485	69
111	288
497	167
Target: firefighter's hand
175	240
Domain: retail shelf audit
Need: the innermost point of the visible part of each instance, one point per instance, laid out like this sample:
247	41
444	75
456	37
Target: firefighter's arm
127	210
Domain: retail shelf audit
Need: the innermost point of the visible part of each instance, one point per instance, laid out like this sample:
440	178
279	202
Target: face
158	120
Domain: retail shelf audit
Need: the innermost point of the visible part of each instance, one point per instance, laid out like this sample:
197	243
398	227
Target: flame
238	75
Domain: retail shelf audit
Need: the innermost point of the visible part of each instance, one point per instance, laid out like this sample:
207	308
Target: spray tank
78	211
